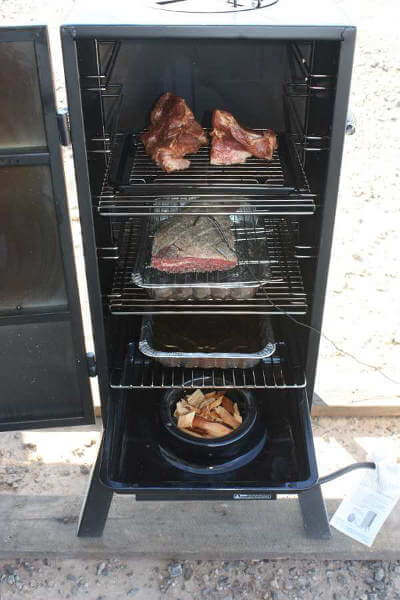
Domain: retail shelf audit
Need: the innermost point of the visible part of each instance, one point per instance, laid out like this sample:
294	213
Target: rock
165	584
372	596
379	574
369	581
379	585
341	579
102	569
133	591
223	581
84	470
288	585
10	579
187	572
175	569
397	570
278	595
29	446
9	569
71	577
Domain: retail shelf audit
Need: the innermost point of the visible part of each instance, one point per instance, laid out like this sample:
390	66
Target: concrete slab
46	525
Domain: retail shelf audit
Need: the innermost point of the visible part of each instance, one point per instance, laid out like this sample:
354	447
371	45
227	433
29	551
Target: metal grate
283	174
282	370
284	293
135	184
122	205
253	171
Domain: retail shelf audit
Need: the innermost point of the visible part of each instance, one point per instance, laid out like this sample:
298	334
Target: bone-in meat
232	144
172	134
194	243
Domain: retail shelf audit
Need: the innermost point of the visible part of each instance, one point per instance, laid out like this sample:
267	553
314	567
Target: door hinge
63	127
91	363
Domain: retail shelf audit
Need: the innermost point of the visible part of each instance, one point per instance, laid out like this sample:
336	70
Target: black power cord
340	472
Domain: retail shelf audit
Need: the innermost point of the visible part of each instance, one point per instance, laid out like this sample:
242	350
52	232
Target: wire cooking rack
134	181
285	289
282	370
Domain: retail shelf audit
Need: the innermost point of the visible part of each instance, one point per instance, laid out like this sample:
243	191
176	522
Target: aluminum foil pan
219	360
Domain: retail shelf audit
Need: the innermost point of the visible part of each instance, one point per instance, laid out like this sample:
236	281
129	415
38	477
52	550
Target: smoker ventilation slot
282	370
285	289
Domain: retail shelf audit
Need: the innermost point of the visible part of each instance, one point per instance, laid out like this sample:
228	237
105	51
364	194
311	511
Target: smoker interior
283	85
133	460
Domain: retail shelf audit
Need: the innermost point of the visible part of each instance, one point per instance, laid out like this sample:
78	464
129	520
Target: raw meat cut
232	144
189	243
173	132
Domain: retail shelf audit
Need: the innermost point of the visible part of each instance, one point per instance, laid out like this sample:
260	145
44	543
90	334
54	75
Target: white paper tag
363	512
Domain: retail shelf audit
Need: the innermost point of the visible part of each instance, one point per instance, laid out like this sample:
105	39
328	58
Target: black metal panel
329	200
43	373
271	32
132	462
38	384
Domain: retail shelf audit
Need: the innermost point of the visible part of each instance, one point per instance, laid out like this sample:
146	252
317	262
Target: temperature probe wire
344	352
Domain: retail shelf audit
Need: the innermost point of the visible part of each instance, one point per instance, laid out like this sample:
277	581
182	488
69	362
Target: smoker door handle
350	123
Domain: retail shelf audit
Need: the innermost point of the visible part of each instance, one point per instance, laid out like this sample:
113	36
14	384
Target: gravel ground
187	580
363	288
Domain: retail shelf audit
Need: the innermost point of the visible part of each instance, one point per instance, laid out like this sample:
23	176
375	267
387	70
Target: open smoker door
44	379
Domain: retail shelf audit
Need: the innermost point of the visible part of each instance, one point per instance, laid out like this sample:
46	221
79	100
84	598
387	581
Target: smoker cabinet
285	66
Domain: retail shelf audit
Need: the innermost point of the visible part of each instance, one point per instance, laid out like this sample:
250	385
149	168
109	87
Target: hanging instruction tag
363	512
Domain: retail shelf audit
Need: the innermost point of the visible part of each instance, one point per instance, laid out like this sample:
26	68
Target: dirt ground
361	315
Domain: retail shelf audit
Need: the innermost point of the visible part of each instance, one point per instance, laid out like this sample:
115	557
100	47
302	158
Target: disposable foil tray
239	283
208	360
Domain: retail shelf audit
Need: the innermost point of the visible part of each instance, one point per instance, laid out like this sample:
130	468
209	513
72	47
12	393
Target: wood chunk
215	429
227	418
196	398
227	404
207	415
186	421
236	413
182	408
210	403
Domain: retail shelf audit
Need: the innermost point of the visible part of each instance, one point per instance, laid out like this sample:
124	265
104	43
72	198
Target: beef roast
188	243
172	134
232	144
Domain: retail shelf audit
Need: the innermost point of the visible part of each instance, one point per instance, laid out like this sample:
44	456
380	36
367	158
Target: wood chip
227	418
236	413
215	429
182	408
207	415
196	398
227	404
210	403
186	421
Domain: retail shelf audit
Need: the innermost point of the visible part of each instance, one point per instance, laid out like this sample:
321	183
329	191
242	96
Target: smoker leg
314	513
95	508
